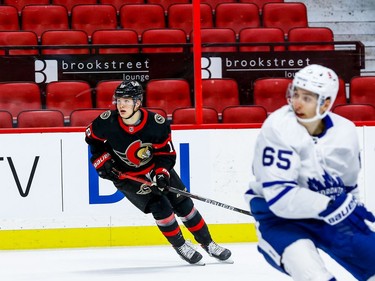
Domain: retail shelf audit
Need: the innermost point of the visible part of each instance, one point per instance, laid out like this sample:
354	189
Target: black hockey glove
345	209
160	181
105	166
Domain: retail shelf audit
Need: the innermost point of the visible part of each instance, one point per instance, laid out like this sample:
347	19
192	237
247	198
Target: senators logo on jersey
137	154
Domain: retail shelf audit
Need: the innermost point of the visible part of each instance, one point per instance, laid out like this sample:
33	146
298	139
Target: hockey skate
216	251
188	253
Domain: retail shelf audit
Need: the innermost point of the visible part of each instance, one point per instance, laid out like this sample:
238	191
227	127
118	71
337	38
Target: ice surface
140	263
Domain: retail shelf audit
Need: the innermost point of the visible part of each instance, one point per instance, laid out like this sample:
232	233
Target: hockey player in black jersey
136	142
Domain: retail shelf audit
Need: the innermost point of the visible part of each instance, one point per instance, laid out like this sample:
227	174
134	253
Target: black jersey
137	149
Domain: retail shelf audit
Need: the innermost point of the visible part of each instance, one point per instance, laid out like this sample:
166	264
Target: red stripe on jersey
171	233
163	144
198	226
90	134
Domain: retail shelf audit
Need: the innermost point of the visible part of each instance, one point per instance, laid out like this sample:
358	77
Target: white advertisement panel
47	180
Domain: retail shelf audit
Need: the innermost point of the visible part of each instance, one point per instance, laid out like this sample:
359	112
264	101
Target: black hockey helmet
129	89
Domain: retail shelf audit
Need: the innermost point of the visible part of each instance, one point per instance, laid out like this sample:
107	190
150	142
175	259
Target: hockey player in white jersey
306	165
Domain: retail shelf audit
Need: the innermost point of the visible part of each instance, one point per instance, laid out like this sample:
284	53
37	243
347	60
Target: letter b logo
45	71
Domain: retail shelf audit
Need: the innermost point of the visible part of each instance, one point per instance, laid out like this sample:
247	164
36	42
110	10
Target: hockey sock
197	226
171	230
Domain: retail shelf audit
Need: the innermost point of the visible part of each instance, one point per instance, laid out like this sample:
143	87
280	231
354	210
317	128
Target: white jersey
300	173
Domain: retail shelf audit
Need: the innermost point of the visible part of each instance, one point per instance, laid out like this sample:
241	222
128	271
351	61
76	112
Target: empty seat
210	36
260	3
118	3
115	37
93	17
166	3
39	18
263	35
20	4
69	4
237	16
158	111
168	94
188	116
163	36
19	38
356	112
244	114
285	15
181	16
214	3
18	96
220	93
59	38
271	92
83	117
67	96
9	18
142	17
105	90
40	118
311	34
6	119
361	89
341	94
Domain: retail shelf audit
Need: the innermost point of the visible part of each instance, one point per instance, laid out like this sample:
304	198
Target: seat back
361	89
310	34
285	15
141	17
105	90
64	37
93	17
260	3
166	3
356	112
118	3
163	36
237	16
263	35
158	111
214	3
210	36
40	118
9	18
220	93
83	117
17	96
19	38
341	94
168	94
115	37
39	18
67	96
20	4
69	4
6	119
187	115
181	16
244	114
271	92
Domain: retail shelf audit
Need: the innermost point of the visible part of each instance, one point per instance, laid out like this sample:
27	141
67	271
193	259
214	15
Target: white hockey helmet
319	80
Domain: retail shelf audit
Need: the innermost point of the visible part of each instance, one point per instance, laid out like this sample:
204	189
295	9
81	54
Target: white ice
156	263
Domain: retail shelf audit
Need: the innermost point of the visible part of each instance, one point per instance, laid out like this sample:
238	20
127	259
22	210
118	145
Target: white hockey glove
346	209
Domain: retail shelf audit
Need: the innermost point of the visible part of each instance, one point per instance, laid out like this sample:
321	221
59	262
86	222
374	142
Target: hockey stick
188	194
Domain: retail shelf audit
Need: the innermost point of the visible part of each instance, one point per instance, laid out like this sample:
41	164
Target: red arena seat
40	118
